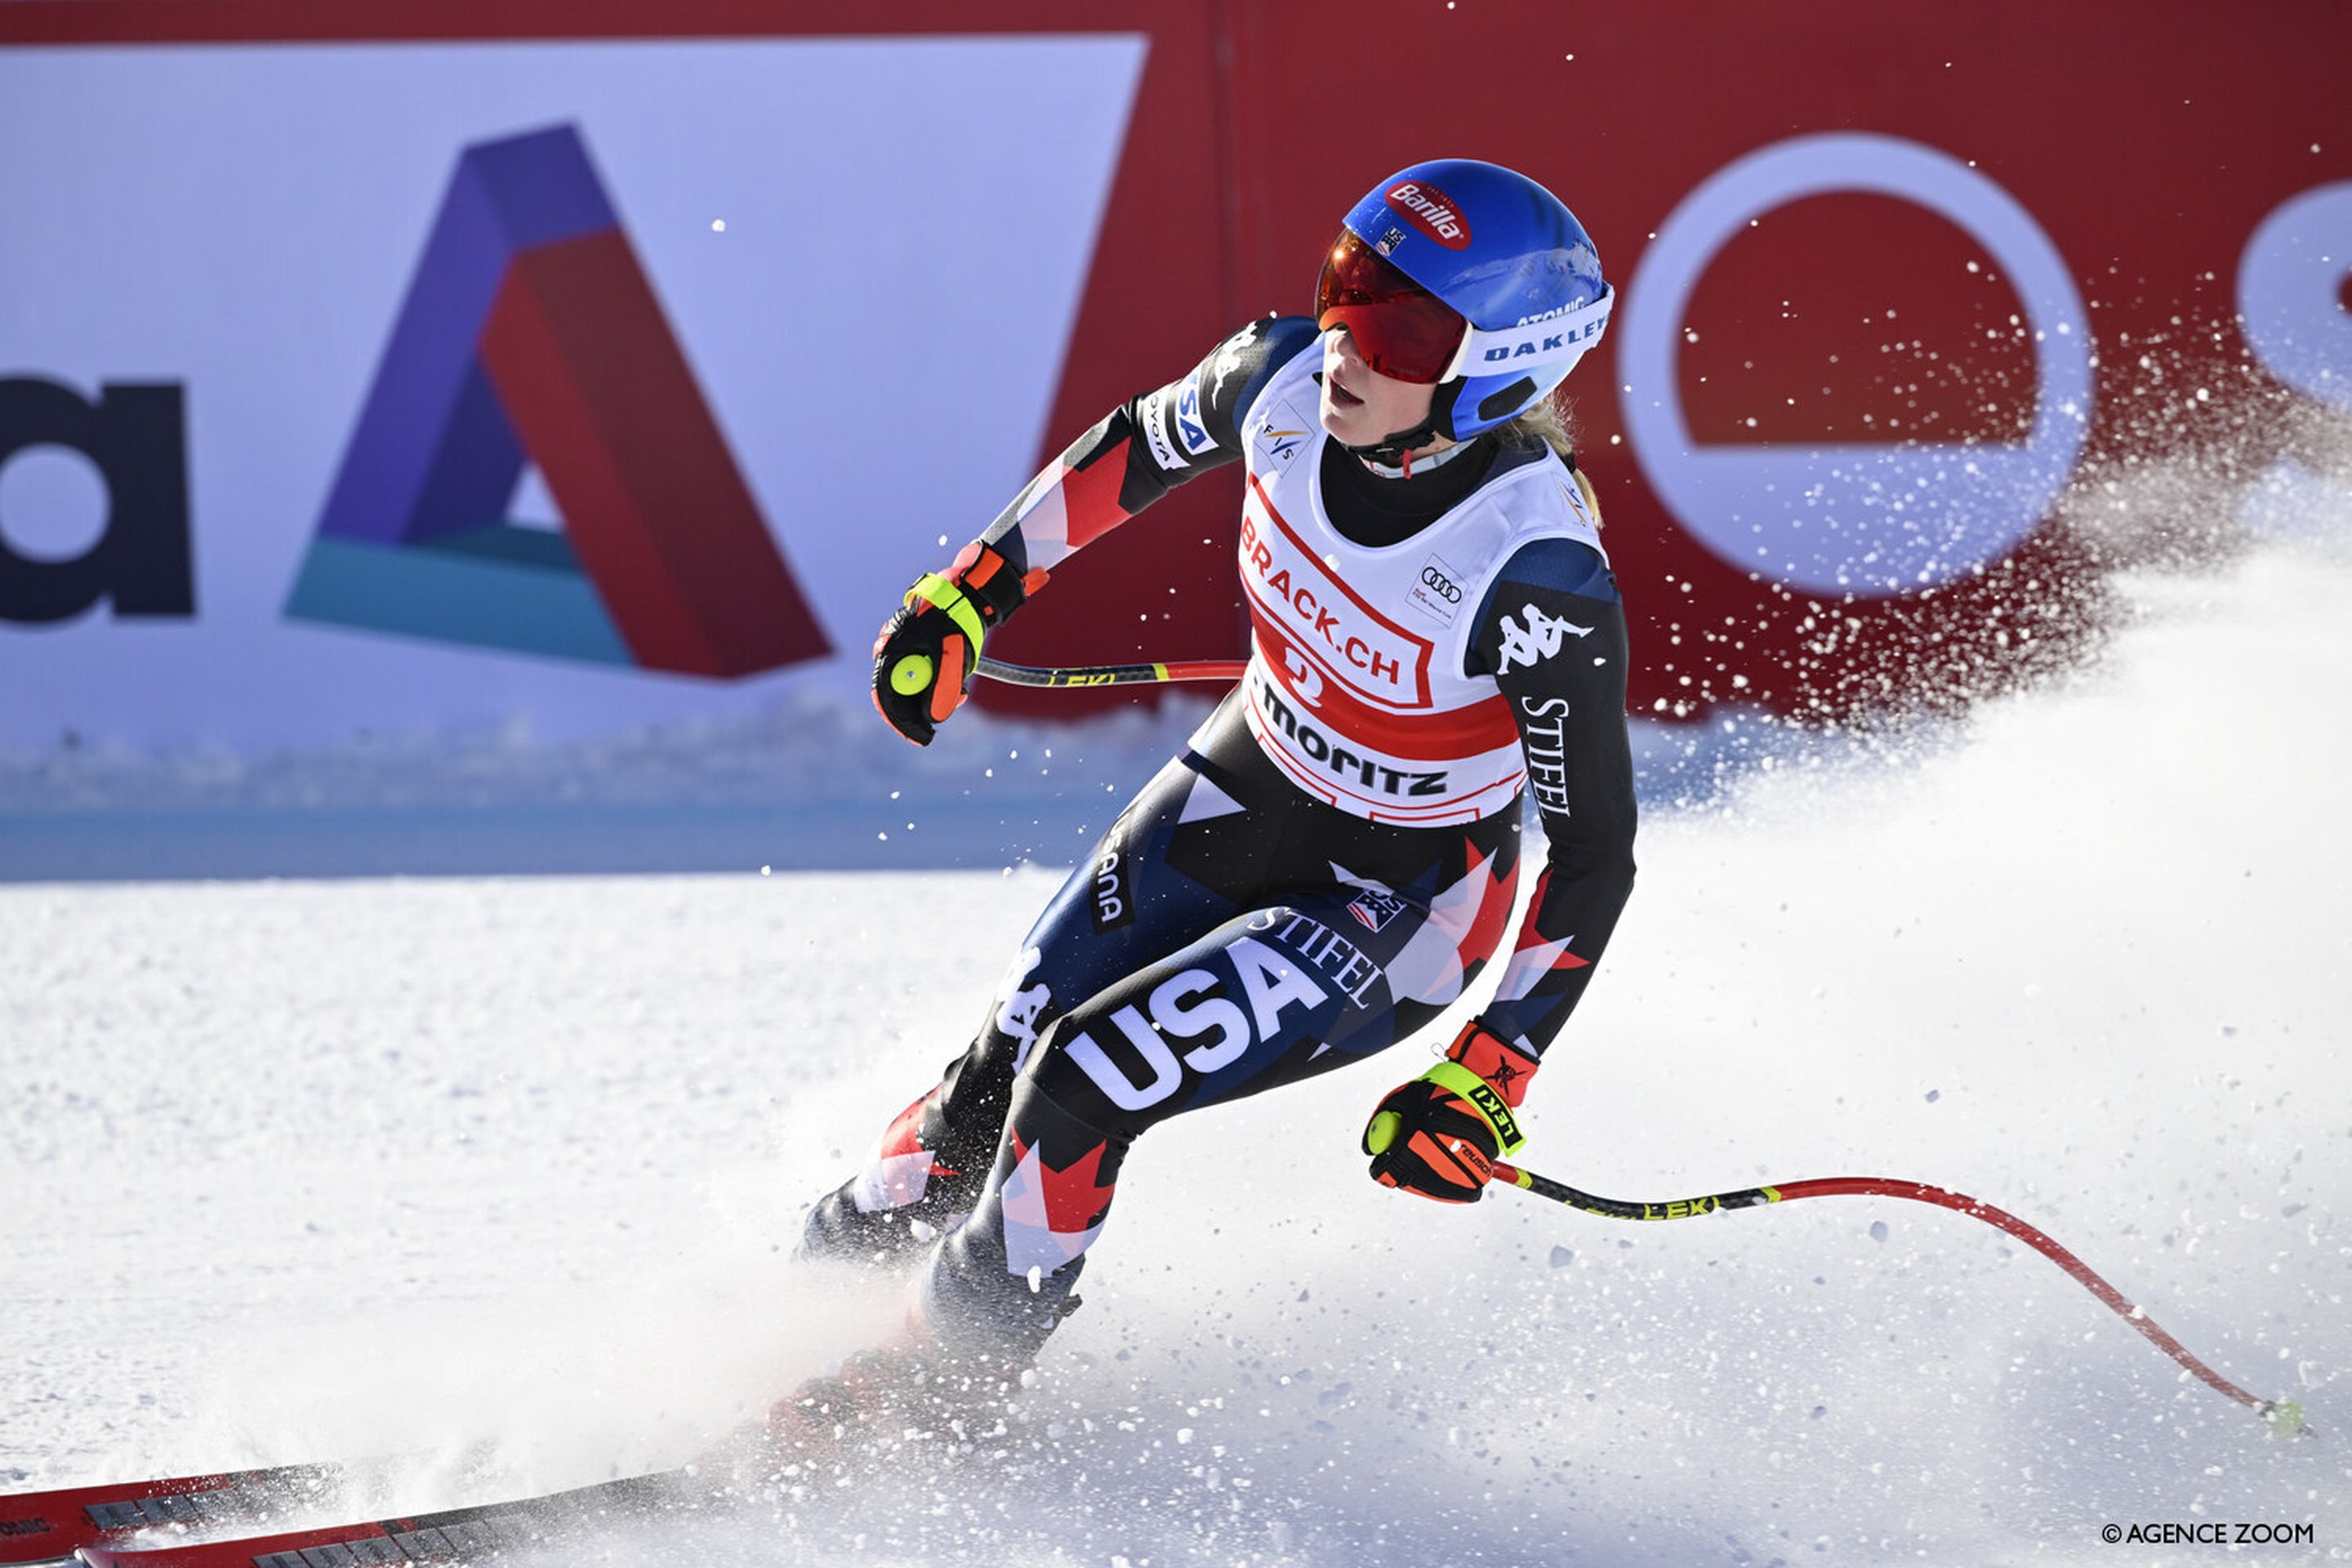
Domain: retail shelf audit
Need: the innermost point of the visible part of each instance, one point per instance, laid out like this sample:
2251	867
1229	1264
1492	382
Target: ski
45	1526
146	1524
455	1535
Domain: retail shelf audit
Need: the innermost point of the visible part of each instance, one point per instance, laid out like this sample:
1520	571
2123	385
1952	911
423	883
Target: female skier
1333	857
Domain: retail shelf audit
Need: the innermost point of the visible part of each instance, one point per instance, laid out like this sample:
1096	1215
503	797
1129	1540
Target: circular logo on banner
1853	518
2290	282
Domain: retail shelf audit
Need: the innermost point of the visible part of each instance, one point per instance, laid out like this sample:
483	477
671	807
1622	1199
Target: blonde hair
1546	423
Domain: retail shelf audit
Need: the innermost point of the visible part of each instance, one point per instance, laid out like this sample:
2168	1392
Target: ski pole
2285	1416
1111	674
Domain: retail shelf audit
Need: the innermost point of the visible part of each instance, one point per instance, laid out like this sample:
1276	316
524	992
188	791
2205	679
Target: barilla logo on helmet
1431	211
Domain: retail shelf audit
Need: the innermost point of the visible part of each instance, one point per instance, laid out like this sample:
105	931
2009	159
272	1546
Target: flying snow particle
1878	1230
719	225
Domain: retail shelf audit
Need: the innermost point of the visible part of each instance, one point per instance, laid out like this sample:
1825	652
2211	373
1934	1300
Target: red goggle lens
1401	330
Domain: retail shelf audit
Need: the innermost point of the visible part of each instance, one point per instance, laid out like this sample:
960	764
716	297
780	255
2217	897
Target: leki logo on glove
530	328
1507	1126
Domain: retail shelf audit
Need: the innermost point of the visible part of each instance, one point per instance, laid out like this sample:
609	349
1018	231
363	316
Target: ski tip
2286	1416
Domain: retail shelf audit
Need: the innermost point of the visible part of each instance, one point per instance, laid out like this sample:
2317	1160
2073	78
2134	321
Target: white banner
875	310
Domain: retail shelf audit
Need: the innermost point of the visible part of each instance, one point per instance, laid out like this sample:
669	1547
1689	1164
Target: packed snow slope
314	1169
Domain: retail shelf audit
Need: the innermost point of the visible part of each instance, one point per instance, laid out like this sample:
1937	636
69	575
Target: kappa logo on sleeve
1538	639
529	329
1229	359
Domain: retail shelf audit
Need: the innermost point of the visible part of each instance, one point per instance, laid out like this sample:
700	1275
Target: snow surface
312	1169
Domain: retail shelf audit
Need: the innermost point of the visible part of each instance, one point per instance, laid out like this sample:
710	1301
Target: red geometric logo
530	328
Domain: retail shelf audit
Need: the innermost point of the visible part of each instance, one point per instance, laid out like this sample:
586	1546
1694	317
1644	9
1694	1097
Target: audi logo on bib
1446	587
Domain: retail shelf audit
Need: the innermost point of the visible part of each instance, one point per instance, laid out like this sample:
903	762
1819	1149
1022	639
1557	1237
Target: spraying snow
304	1170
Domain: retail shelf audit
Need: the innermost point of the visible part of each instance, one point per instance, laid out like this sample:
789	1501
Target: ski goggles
1401	330
1406	332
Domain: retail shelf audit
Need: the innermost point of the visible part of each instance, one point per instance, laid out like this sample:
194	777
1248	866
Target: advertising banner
1903	289
425	387
411	369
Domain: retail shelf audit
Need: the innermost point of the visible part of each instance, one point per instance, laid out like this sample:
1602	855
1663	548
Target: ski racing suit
1330	861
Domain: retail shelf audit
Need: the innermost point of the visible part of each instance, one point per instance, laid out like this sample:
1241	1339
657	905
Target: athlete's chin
1339	424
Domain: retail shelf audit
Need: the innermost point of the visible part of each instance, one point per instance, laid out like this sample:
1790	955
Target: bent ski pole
1111	674
2285	1416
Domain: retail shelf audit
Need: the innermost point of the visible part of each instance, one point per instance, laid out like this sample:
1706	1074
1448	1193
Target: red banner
1895	281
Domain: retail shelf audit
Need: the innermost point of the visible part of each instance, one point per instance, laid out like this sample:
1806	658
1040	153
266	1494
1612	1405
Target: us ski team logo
530	328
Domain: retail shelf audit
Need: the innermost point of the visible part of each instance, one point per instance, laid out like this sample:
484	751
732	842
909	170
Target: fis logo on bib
1281	433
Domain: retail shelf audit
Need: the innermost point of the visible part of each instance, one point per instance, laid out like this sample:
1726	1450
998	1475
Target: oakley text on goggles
1406	332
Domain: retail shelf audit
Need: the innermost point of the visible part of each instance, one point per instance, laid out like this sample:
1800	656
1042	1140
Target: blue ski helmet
1500	251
